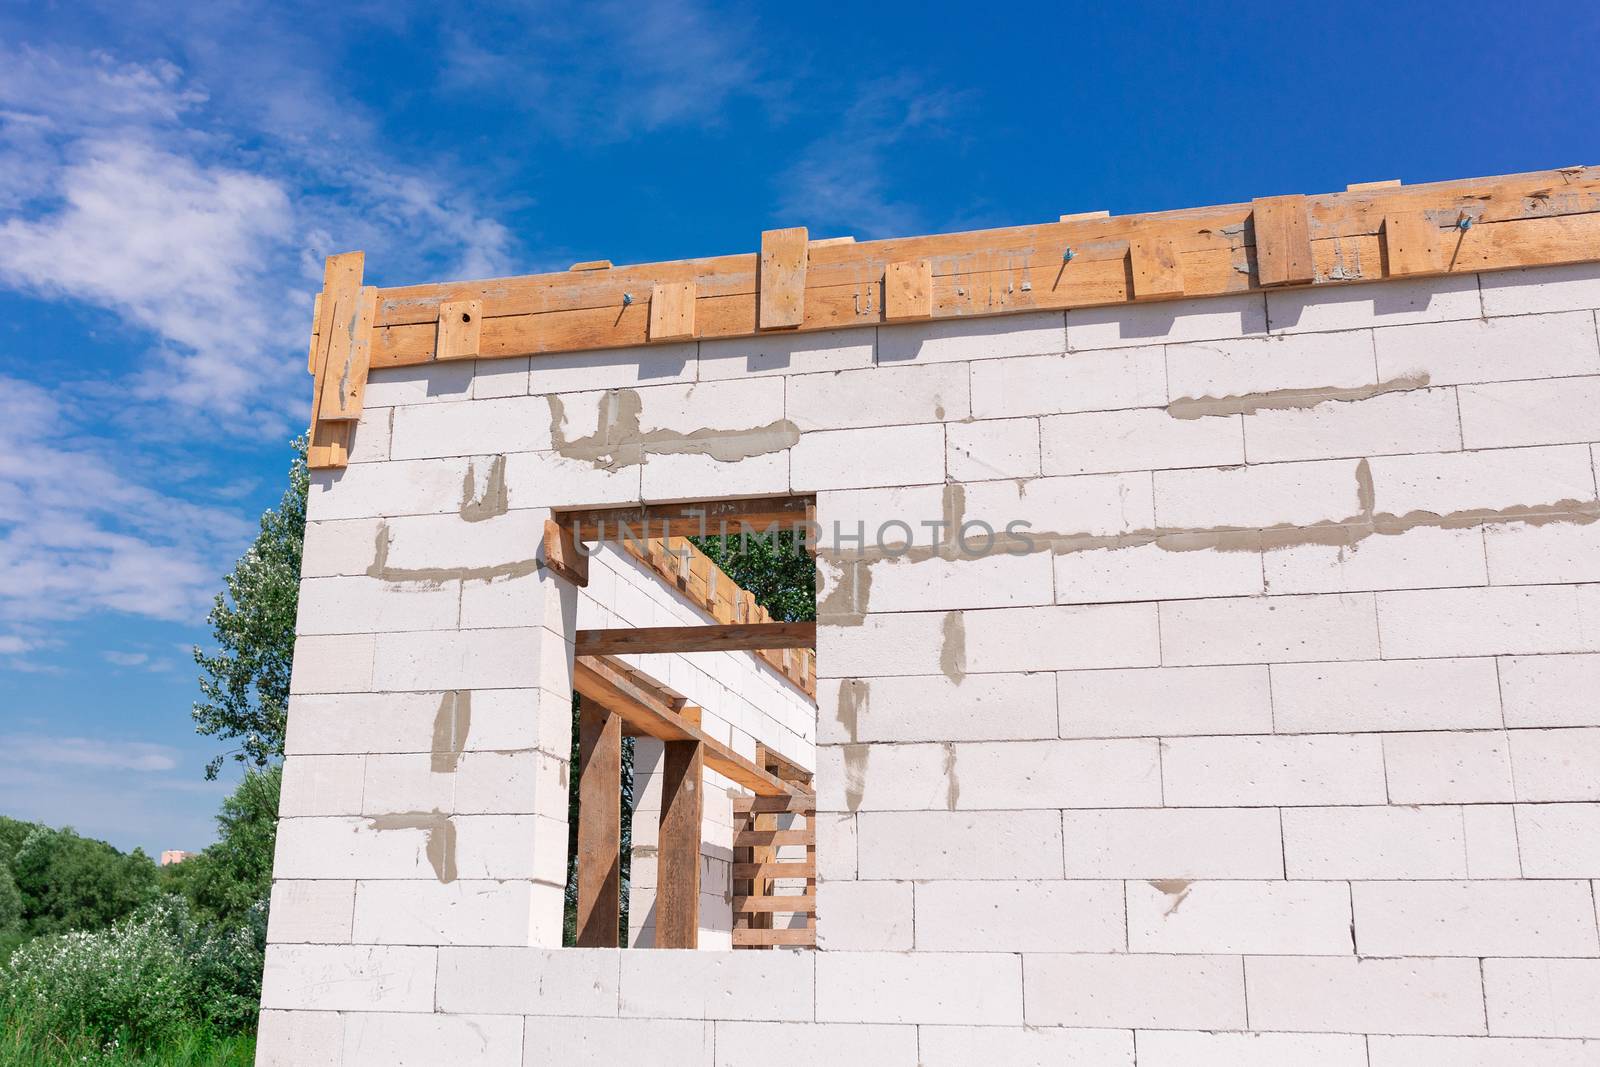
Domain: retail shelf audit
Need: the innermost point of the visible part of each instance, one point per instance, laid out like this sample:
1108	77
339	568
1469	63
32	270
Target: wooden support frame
733	637
678	851
596	678
599	825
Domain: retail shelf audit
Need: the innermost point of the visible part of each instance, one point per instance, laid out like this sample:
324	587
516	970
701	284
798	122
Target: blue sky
170	180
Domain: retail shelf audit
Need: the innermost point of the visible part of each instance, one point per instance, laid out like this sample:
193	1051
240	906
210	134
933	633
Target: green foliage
777	571
24	1044
232	877
143	982
245	685
67	882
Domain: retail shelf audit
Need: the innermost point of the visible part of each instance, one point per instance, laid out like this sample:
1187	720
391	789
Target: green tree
777	571
245	684
69	882
234	876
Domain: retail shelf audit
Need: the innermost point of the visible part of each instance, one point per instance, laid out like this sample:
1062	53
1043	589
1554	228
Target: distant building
173	855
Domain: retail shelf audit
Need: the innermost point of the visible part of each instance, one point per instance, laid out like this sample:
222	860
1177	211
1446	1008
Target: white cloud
43	750
842	180
177	247
623	69
81	532
126	659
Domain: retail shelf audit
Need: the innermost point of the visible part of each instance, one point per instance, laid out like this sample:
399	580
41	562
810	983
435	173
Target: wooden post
599	826
678	859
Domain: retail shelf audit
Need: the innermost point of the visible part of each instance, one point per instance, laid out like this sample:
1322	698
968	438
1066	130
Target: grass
24	1046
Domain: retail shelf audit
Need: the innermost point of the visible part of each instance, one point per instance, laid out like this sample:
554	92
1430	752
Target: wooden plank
563	555
678	855
693	519
1081	216
1410	245
317	326
773	838
599	825
997	271
599	679
1282	227
592	264
1154	264
774	869
781	765
329	439
672	311
344	375
460	330
801	804
778	903
746	938
908	291
1215	227
783	278
735	637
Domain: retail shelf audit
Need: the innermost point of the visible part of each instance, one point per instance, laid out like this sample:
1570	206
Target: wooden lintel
596	678
1282	226
783	278
563	555
712	518
599	824
712	637
678	849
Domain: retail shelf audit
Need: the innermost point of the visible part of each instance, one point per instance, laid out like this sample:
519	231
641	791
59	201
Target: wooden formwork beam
1539	218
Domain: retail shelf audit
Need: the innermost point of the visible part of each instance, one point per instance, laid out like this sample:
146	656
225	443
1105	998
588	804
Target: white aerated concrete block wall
1277	744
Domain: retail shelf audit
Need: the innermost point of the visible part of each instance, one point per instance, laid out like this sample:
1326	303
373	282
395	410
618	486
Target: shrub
145	981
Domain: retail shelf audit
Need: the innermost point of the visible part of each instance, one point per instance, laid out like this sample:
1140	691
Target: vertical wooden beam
460	329
335	311
599	826
1156	270
908	290
1282	227
783	278
678	858
672	311
1410	244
